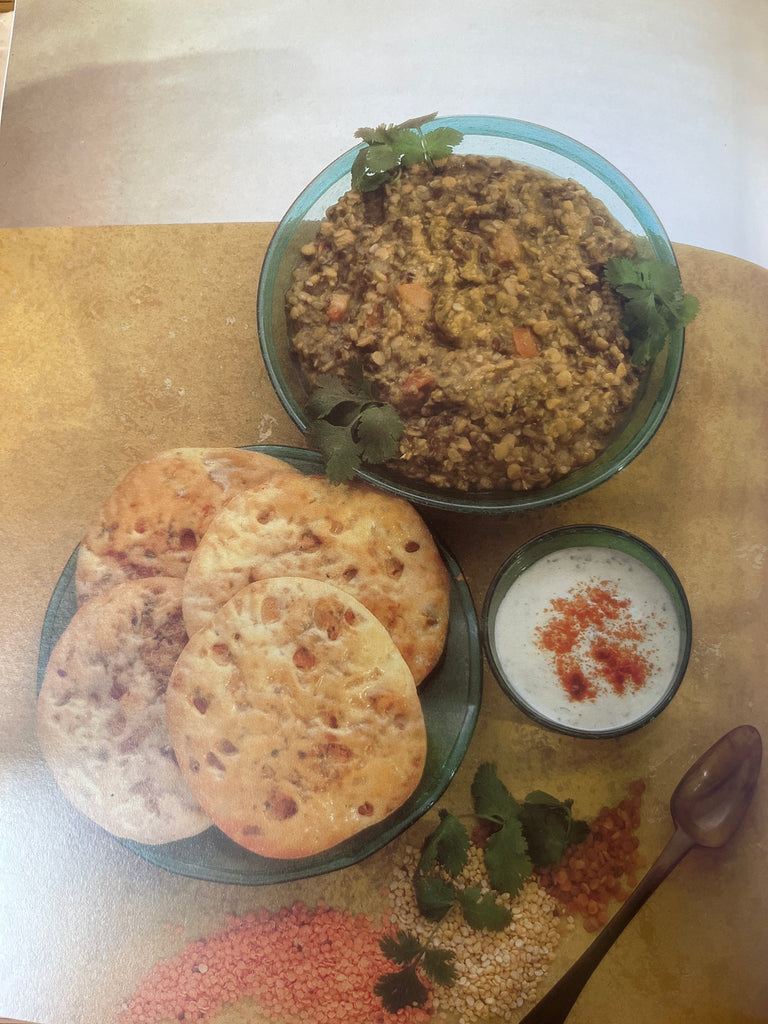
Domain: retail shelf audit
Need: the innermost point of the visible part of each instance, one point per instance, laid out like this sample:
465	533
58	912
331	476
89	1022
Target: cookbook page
124	343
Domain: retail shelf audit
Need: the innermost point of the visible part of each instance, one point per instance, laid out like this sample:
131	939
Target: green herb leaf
400	948
349	425
341	453
400	989
409	148
442	141
506	858
481	910
328	393
654	303
688	308
379	428
381	159
578	832
447	846
388	148
491	798
434	896
403	988
438	966
549	826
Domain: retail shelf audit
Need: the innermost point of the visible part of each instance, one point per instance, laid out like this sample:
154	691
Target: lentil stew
474	300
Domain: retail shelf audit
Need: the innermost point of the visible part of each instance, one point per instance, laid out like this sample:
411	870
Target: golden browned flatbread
153	520
295	720
373	545
101	713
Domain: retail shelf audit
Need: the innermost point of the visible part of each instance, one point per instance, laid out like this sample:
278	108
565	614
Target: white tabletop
183	112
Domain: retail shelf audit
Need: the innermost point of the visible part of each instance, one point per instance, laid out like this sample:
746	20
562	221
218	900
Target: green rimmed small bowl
610	654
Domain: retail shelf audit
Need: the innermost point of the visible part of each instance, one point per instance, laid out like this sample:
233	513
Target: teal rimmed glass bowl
526	143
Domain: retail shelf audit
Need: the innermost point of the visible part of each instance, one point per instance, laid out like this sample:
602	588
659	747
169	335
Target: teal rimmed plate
450	699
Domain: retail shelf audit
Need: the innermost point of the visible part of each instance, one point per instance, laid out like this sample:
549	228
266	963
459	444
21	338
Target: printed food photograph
384	568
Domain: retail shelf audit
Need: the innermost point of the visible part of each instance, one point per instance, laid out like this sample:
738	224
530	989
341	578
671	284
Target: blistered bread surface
295	719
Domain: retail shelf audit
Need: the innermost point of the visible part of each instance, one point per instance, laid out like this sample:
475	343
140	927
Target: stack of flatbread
247	652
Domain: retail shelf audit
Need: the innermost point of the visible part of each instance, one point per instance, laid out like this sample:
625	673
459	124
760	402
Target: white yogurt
589	638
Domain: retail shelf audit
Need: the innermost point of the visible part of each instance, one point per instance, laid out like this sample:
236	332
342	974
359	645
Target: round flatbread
101	713
154	518
371	544
295	720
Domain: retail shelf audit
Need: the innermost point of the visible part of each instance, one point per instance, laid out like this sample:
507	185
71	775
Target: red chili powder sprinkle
593	638
299	965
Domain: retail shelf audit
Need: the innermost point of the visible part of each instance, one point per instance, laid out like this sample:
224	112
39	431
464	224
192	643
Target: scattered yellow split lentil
497	972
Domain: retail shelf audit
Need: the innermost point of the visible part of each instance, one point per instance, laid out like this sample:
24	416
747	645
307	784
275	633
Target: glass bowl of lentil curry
470	292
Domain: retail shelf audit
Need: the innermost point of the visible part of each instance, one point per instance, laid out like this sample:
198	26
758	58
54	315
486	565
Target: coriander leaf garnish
400	949
341	453
350	426
332	392
389	148
399	989
447	846
549	827
654	303
506	857
434	896
481	910
491	798
438	966
379	428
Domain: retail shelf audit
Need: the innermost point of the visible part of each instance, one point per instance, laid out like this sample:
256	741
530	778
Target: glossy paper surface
121	342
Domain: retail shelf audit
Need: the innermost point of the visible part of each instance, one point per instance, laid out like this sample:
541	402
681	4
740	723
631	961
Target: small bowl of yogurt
588	630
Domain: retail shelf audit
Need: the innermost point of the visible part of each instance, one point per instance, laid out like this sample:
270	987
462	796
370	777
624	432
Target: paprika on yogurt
593	636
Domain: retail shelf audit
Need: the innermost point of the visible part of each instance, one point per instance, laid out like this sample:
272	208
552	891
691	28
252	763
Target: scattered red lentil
299	965
593	636
602	868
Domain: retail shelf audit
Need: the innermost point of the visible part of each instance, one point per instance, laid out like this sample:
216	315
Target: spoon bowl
707	807
711	798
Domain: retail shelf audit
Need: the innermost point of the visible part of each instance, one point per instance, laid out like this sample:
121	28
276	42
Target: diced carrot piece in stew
525	342
337	307
416	297
417	380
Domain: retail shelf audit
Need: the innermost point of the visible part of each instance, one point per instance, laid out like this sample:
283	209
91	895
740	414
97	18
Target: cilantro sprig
349	425
518	836
404	987
391	147
654	303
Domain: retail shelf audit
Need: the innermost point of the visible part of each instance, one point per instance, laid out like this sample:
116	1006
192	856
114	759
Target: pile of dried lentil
299	965
497	972
319	965
602	868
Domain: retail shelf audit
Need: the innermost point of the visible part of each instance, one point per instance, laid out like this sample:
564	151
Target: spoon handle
555	1006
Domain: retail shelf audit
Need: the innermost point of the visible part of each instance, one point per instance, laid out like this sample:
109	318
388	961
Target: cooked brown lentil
497	972
473	298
